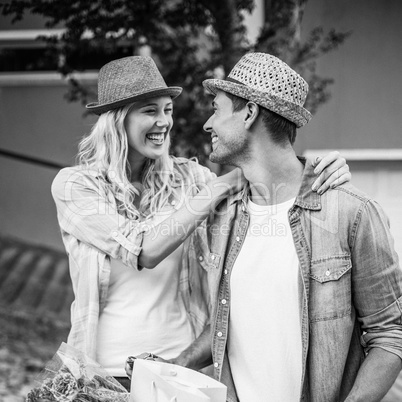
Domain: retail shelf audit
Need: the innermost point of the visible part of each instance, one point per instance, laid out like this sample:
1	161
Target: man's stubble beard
239	155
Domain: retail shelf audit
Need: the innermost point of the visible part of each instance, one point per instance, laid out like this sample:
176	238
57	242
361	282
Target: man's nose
207	126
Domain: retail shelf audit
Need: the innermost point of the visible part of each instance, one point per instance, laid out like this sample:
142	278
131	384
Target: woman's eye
149	111
169	110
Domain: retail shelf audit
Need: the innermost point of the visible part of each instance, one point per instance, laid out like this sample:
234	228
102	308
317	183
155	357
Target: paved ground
35	296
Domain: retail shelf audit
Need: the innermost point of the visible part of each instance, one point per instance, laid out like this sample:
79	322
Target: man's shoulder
351	193
349	200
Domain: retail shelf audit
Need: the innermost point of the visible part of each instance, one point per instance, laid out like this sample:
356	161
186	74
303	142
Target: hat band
234	81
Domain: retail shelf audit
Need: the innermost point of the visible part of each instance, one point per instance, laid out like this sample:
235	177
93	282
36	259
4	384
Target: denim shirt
350	284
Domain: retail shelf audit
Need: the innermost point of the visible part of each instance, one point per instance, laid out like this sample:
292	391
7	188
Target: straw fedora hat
129	79
269	82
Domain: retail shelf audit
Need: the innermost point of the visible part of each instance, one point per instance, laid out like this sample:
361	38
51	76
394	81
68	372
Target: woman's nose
162	122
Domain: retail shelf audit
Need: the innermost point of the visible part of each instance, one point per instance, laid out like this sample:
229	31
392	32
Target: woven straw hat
129	79
269	82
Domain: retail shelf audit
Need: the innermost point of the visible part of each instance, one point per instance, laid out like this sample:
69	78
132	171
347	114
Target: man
306	288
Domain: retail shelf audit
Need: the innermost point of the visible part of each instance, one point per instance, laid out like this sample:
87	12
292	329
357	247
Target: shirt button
114	233
237	238
223	301
328	273
243	208
225	271
173	202
212	257
216	365
201	258
219	334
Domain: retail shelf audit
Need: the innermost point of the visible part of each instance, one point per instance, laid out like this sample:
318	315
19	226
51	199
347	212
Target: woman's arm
164	238
85	212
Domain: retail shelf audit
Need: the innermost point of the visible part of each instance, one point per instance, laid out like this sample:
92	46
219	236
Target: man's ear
252	112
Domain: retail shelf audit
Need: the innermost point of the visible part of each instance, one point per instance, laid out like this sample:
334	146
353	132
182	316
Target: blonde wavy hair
106	150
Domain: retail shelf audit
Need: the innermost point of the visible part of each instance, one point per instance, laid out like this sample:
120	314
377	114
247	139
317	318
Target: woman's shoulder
74	174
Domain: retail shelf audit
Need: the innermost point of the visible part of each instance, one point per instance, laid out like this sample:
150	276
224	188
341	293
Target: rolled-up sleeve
86	212
377	280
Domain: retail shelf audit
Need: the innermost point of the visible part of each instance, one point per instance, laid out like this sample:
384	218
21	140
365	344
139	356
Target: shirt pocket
330	288
209	262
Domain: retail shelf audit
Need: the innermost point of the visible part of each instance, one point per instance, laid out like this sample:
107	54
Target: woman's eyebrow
155	104
149	104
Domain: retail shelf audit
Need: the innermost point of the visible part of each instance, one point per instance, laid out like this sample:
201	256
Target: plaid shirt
93	232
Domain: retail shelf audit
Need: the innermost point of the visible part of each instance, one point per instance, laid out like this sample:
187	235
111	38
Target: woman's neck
137	162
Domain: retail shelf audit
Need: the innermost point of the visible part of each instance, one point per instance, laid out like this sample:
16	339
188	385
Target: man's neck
274	176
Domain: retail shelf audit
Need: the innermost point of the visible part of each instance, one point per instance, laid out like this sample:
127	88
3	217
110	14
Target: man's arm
198	355
376	376
377	295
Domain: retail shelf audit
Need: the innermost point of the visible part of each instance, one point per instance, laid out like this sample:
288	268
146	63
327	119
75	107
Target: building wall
366	104
35	121
365	109
364	112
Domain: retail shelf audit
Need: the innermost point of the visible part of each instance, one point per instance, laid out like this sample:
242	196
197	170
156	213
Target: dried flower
65	387
33	395
40	394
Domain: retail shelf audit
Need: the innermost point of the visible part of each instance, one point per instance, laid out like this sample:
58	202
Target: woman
128	204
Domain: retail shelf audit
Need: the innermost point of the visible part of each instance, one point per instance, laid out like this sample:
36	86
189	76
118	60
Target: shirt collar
307	198
241	195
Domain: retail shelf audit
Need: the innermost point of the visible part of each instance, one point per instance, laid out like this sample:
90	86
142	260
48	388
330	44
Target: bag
72	376
163	382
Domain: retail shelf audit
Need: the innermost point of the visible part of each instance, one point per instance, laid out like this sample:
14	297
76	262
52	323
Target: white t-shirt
264	343
144	313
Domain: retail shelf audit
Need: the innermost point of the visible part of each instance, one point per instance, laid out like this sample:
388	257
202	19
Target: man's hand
197	356
145	356
332	170
375	377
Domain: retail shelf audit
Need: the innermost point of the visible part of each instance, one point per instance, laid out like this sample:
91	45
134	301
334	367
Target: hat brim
98	109
295	113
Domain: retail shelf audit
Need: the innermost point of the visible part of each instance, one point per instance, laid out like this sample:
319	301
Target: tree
191	40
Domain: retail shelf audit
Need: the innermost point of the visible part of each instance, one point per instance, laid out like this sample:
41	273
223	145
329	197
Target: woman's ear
252	112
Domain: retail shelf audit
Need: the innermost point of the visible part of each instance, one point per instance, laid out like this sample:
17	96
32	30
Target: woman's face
148	125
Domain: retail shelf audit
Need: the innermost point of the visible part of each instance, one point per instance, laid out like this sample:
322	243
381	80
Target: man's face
229	138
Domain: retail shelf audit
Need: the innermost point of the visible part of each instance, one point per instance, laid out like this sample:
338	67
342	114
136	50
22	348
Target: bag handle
154	394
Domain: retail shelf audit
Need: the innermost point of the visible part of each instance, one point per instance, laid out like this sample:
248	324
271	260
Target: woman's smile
156	138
